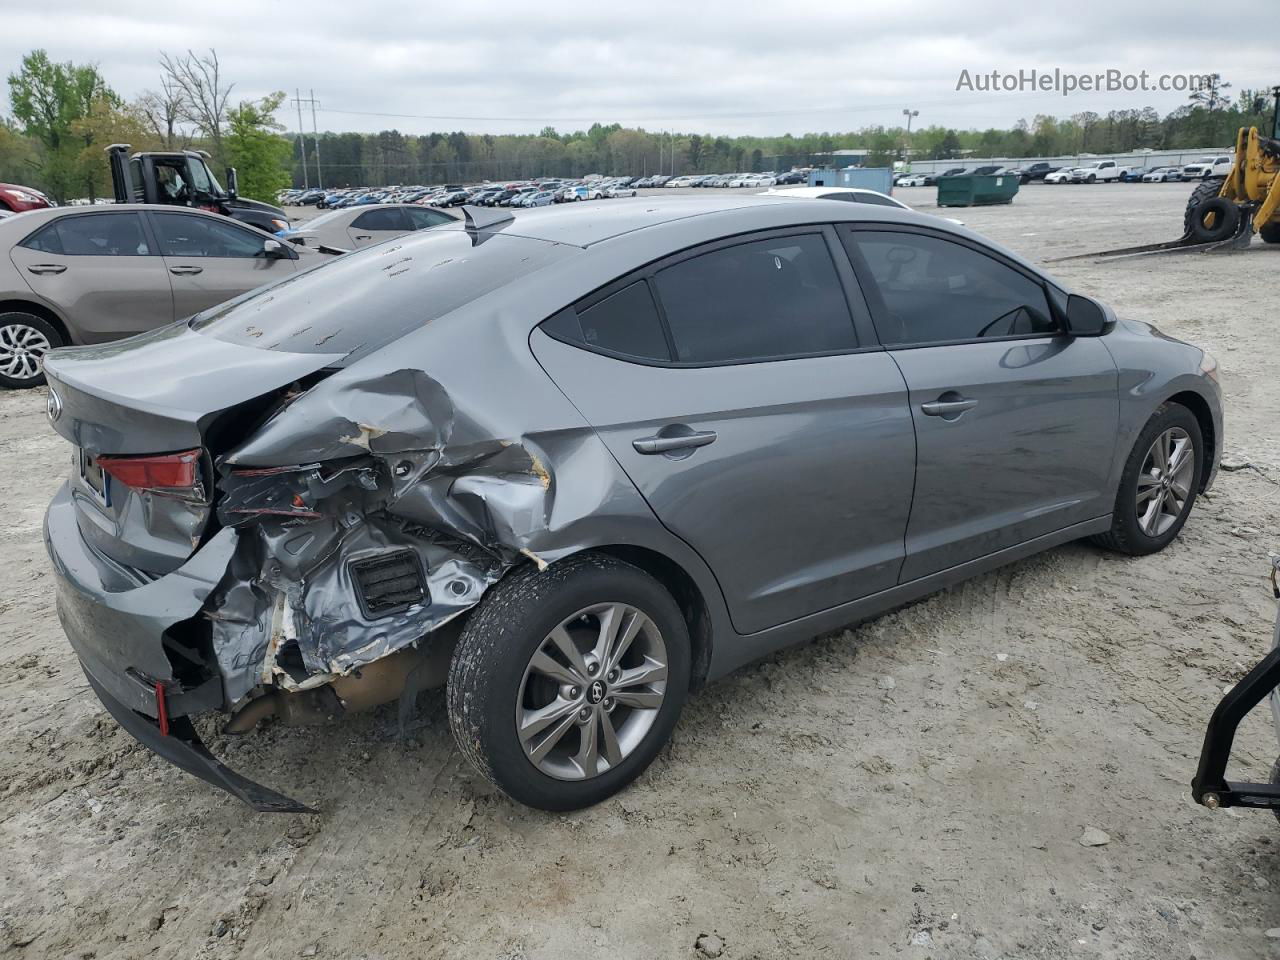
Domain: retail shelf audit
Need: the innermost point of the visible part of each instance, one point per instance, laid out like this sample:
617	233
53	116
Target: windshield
361	301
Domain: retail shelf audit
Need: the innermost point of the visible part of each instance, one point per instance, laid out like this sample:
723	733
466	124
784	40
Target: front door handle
660	444
948	409
363	236
185	271
43	268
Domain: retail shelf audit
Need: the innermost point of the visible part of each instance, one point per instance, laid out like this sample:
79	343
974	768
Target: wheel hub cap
592	691
22	350
1164	482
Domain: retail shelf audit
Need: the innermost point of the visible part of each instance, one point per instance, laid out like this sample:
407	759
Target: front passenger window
934	290
185	235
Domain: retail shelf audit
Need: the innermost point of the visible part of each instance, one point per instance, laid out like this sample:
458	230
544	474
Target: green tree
254	145
694	152
48	99
108	122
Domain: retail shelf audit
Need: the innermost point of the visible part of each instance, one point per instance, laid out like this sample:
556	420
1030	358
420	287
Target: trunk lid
167	391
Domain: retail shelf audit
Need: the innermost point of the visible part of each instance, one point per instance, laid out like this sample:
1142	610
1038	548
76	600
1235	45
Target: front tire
25	339
567	682
1159	484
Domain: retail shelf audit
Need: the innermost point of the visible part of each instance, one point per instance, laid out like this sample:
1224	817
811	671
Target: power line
813	111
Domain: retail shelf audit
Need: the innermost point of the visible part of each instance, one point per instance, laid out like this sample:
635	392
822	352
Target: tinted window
46	240
380	218
183	235
842	195
935	290
770	298
94	235
421	219
627	323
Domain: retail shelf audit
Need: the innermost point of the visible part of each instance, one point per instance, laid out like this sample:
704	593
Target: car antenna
478	218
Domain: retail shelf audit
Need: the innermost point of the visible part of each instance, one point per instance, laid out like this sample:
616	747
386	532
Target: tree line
64	114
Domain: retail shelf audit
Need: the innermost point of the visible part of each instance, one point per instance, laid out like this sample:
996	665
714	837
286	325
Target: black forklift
183	178
1211	787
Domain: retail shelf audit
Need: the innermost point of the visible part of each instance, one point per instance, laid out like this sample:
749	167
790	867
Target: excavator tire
1205	190
1215	220
1270	232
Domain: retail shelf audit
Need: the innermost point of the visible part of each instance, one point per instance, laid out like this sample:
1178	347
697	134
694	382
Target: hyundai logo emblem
54	405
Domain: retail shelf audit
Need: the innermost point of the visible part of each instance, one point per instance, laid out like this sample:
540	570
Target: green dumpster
974	191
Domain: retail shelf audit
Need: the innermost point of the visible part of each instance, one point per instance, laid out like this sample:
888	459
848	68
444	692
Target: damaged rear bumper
183	748
117	629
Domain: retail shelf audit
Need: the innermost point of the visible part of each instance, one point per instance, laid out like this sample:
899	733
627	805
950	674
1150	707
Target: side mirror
1087	317
273	249
233	184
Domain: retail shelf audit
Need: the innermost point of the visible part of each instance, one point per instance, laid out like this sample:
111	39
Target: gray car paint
515	454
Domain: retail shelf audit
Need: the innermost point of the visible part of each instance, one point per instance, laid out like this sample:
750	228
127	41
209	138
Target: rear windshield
358	302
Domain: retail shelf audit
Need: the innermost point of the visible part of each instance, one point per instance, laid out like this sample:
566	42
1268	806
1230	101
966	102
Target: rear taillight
176	474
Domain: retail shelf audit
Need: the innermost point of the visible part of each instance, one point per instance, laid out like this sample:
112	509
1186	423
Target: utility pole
302	143
909	114
315	132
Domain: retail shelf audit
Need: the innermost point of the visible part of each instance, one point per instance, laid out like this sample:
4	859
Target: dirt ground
917	786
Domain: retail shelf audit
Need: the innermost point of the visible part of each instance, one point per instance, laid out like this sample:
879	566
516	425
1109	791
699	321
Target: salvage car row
1097	171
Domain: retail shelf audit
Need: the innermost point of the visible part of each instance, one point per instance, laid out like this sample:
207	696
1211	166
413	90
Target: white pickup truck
1099	170
1207	167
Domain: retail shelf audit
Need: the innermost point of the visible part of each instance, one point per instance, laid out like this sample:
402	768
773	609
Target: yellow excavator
1223	213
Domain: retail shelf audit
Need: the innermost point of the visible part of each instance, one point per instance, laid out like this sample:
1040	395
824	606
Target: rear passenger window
933	290
756	301
46	240
381	218
626	323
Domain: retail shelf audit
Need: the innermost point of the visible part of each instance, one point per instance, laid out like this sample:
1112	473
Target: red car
18	199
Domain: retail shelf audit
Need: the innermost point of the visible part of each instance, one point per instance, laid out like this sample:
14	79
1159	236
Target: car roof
53	213
827	191
581	225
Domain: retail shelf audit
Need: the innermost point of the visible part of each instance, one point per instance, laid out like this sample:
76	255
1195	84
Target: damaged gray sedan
573	466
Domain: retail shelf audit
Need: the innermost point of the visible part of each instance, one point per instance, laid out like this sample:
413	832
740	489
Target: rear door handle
363	236
185	271
947	409
658	444
43	268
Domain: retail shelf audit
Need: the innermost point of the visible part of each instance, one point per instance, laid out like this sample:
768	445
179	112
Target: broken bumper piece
183	748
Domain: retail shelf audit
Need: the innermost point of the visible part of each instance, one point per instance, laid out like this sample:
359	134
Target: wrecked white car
577	464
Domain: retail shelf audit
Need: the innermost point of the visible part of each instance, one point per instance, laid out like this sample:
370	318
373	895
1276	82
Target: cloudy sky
732	68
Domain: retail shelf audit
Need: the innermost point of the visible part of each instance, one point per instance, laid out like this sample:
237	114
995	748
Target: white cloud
713	66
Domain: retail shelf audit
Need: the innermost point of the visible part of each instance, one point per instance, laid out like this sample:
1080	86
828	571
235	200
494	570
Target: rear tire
25	339
1270	232
1146	519
494	685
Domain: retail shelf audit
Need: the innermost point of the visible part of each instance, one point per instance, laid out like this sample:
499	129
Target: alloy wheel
592	691
1164	482
22	351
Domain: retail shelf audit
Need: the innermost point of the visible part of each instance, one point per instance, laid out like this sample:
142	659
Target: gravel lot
917	786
